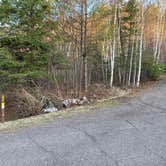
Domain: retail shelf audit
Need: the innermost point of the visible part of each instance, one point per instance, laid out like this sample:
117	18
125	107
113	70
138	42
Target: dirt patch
100	91
144	86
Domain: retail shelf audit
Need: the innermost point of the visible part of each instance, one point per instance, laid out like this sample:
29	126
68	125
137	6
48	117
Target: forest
51	50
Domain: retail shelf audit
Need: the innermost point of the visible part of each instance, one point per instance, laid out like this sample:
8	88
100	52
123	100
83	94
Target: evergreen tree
23	44
128	30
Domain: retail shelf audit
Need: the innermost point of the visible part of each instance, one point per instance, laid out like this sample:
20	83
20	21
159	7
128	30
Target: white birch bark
141	46
113	49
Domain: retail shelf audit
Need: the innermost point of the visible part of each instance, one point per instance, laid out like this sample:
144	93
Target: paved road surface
131	134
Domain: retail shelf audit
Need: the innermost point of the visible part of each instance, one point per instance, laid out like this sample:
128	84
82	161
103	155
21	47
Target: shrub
163	68
150	70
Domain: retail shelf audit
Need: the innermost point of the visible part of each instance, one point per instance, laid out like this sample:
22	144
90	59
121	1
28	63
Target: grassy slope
36	120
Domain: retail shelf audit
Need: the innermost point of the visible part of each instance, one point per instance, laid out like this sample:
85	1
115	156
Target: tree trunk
85	48
114	47
141	47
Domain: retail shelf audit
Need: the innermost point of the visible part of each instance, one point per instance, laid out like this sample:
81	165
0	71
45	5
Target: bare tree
141	44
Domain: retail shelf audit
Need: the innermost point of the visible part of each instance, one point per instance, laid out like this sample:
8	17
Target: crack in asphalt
42	148
95	142
131	124
38	145
152	106
148	122
4	156
145	146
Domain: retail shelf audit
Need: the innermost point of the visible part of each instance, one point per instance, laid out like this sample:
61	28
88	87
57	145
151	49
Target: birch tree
141	44
113	45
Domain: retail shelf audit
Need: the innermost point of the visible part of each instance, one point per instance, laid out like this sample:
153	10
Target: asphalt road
130	134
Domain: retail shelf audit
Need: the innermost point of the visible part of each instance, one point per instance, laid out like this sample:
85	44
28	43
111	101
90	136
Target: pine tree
23	46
